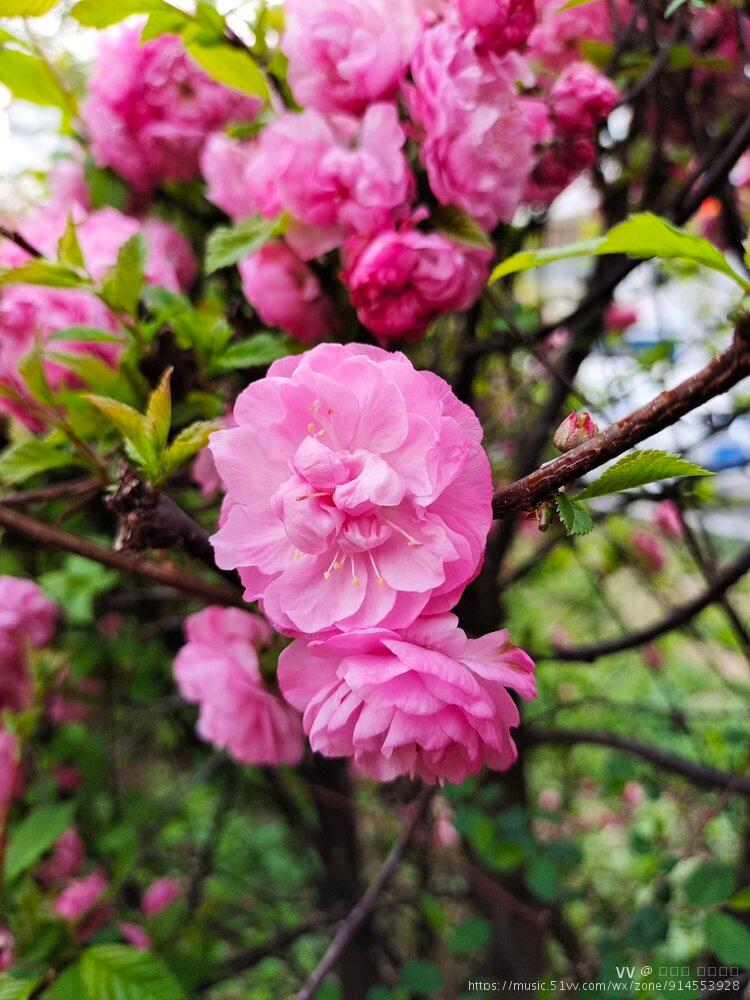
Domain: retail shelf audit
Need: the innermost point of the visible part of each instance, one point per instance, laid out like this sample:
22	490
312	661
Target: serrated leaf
228	244
68	248
460	226
255	352
187	444
42	272
709	883
15	987
133	426
574	516
94	372
231	66
116	972
159	411
102	13
34	836
30	79
123	283
30	458
639	468
643	237
728	939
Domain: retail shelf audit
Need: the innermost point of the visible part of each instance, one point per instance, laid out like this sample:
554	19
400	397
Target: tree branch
359	914
721	374
165	573
699	774
15	237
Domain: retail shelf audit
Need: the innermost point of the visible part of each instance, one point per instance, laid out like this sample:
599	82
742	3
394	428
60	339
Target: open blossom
66	858
204	472
151	108
425	702
218	668
501	25
475	144
346	54
582	97
402	280
159	895
556	39
358	493
26	611
285	293
575	430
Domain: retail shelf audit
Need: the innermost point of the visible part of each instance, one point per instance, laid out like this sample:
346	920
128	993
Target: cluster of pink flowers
27	621
29	313
469	83
357	509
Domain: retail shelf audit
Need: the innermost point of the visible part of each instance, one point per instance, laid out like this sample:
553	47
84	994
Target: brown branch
360	912
699	774
722	581
56	491
165	573
721	374
15	237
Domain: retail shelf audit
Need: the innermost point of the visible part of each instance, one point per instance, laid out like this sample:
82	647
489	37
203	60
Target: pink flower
204	472
426	701
135	936
82	904
67	777
501	25
9	772
582	97
667	519
575	430
549	799
358	493
7	944
16	690
475	144
618	317
633	794
151	108
564	160
218	668
404	279
345	54
556	39
650	549
26	611
67	857
159	895
285	293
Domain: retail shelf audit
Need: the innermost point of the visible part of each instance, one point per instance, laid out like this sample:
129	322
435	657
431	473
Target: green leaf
727	938
233	67
741	900
188	443
30	79
642	237
68	247
87	334
25	8
68	985
573	515
122	285
102	13
13	987
470	935
228	244
255	352
709	883
95	373
133	426
29	458
422	978
31	370
42	272
460	226
639	468
542	877
673	6
116	972
34	836
159	412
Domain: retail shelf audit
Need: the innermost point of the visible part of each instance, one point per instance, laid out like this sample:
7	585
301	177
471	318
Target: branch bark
698	774
721	374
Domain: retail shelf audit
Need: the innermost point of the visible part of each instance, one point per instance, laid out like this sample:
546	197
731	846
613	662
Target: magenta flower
582	97
650	550
346	54
426	701
401	281
556	39
66	859
159	895
26	612
358	493
501	25
151	108
83	905
285	293
475	144
218	668
135	936
575	430
619	318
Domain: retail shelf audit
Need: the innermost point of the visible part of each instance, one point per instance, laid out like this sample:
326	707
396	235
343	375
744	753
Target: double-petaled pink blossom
425	701
501	25
358	493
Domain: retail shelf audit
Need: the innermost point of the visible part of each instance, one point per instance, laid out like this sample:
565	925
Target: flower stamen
355	578
374	565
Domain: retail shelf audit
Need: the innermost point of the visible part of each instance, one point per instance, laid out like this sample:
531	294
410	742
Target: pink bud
667	519
68	778
159	895
652	657
650	549
619	318
135	935
66	858
576	429
80	896
549	799
633	793
7	942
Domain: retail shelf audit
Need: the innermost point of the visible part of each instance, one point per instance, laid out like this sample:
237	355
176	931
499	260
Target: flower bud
576	429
